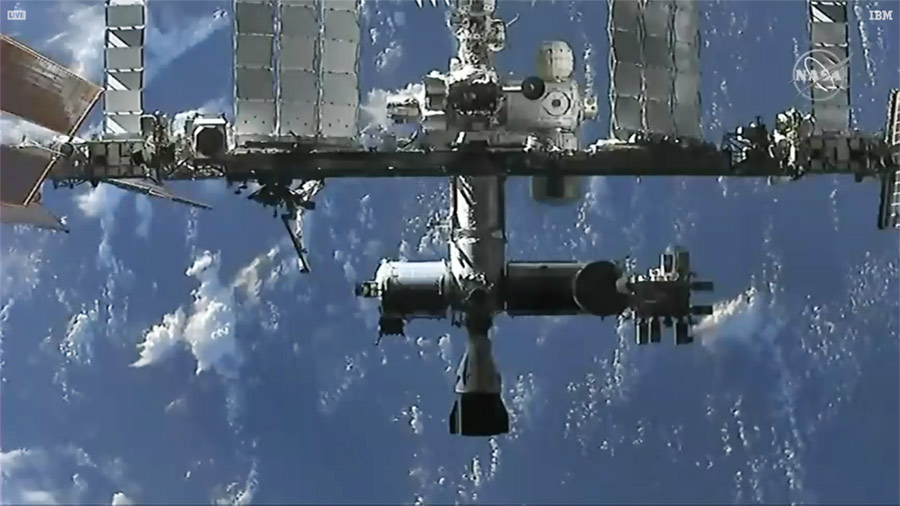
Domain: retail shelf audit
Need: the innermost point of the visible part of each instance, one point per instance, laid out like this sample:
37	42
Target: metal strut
294	201
296	239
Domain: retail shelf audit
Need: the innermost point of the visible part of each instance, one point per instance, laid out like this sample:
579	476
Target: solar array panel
829	58
33	214
339	70
654	68
124	80
254	70
22	171
296	70
42	91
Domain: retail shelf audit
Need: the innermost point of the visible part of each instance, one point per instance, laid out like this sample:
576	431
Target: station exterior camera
209	137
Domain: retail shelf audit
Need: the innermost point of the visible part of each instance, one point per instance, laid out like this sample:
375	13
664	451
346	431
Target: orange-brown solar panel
33	214
22	171
42	91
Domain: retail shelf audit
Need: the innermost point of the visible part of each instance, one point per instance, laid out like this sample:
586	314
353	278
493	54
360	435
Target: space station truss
654	68
829	56
123	101
296	71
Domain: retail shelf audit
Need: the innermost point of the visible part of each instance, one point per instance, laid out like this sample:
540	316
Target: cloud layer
46	475
745	319
208	327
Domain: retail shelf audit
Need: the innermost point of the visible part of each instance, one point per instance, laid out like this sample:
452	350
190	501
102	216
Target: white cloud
217	105
742	319
103	202
39	476
161	339
446	351
388	58
376	122
249	279
378	100
38	497
16	460
209	328
120	499
240	496
21	266
77	345
352	373
14	130
83	38
415	420
144	210
521	398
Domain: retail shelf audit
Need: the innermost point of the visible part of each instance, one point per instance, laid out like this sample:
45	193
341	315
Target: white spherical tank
556	62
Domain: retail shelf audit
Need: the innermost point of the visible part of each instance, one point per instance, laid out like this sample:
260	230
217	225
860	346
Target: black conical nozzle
479	414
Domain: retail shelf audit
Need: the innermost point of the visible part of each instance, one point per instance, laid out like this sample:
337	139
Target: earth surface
159	354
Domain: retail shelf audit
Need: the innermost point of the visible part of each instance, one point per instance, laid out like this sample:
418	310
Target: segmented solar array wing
33	214
654	82
889	209
254	70
829	59
41	91
22	170
339	71
296	71
124	64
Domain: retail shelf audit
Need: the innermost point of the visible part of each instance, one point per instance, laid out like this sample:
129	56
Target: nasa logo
820	74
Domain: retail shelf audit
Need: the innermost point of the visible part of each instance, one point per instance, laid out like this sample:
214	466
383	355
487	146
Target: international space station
296	108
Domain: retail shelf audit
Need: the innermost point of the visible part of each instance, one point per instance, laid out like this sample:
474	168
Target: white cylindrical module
413	289
556	62
478	240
